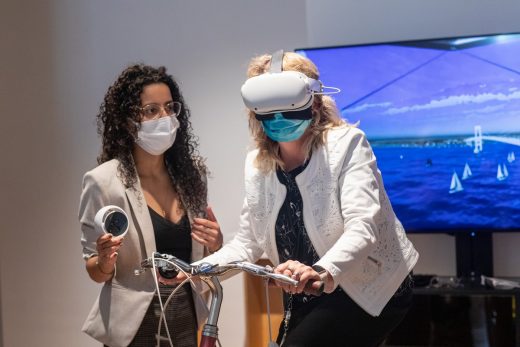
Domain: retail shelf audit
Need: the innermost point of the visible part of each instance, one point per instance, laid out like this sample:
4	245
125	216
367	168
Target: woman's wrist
325	277
100	268
329	282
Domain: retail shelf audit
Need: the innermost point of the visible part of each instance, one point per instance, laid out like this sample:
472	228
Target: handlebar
169	265
312	287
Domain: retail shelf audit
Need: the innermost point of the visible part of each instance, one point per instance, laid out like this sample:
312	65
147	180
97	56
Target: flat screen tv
443	119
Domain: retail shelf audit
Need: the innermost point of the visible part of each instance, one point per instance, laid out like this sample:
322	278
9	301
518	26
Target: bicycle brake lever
283	278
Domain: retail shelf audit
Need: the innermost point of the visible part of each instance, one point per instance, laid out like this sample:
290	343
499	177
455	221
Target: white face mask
156	136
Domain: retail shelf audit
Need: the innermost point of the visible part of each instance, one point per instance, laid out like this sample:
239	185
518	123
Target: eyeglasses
301	115
154	111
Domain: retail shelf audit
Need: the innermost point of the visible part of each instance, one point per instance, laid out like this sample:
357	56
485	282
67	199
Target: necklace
162	205
174	204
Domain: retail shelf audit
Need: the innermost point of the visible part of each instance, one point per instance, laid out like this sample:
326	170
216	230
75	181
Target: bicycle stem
210	329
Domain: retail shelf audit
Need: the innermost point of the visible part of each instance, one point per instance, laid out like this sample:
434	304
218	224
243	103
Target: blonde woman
316	206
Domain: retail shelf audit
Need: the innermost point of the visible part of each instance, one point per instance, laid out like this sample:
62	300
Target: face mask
280	129
156	136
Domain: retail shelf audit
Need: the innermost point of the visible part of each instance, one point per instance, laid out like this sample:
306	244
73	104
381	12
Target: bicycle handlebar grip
314	287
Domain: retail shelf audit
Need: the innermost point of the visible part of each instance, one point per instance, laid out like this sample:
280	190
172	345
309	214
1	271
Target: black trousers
336	320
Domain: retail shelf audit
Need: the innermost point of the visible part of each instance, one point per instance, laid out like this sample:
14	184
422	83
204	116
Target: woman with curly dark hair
149	167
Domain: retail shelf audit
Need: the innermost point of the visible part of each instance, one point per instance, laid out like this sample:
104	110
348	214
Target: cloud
364	107
485	110
457	100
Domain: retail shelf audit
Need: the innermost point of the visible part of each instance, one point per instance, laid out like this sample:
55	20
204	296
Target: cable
163	315
174	291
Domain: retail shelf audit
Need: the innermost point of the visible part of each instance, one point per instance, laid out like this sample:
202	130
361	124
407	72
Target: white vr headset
281	91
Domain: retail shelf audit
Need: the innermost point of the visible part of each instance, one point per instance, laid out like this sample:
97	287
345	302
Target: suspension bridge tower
478	139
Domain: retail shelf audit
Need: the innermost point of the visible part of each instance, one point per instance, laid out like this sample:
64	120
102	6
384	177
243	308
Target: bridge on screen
479	138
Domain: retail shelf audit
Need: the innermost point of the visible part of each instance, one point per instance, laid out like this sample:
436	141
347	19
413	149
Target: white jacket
347	215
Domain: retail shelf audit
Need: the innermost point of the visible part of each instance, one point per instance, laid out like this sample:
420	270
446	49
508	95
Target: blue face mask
280	129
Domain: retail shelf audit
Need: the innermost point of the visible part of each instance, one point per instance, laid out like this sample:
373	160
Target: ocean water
417	178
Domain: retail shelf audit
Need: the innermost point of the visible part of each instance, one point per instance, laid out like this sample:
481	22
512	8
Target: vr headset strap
276	61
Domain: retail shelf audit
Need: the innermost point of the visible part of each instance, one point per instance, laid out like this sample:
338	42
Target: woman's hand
299	272
107	246
207	231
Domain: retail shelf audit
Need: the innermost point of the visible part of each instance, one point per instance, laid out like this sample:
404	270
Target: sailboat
455	185
467	172
511	157
502	172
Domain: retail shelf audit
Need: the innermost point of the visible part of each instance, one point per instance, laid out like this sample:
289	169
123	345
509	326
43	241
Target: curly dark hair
121	104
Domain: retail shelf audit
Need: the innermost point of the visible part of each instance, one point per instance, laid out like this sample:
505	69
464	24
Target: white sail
511	157
455	185
467	172
504	170
500	173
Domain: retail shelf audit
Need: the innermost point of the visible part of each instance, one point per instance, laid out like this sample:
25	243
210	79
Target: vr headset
288	92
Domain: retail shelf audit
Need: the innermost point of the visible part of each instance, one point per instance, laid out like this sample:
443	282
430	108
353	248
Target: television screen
443	119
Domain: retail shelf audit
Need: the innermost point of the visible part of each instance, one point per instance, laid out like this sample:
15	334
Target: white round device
111	219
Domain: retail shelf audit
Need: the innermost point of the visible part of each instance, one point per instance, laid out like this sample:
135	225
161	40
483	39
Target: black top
172	238
292	240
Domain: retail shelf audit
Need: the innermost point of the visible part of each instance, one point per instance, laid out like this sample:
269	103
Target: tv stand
442	316
471	282
474	253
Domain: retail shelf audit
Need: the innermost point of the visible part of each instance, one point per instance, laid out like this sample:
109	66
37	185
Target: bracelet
101	269
321	271
324	274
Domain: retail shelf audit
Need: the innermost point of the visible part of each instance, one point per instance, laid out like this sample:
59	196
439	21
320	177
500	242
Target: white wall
333	22
58	58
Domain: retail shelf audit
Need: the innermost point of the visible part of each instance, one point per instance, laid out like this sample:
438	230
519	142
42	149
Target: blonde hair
324	109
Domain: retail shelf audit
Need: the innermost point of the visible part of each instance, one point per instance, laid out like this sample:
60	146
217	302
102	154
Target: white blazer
123	301
347	215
